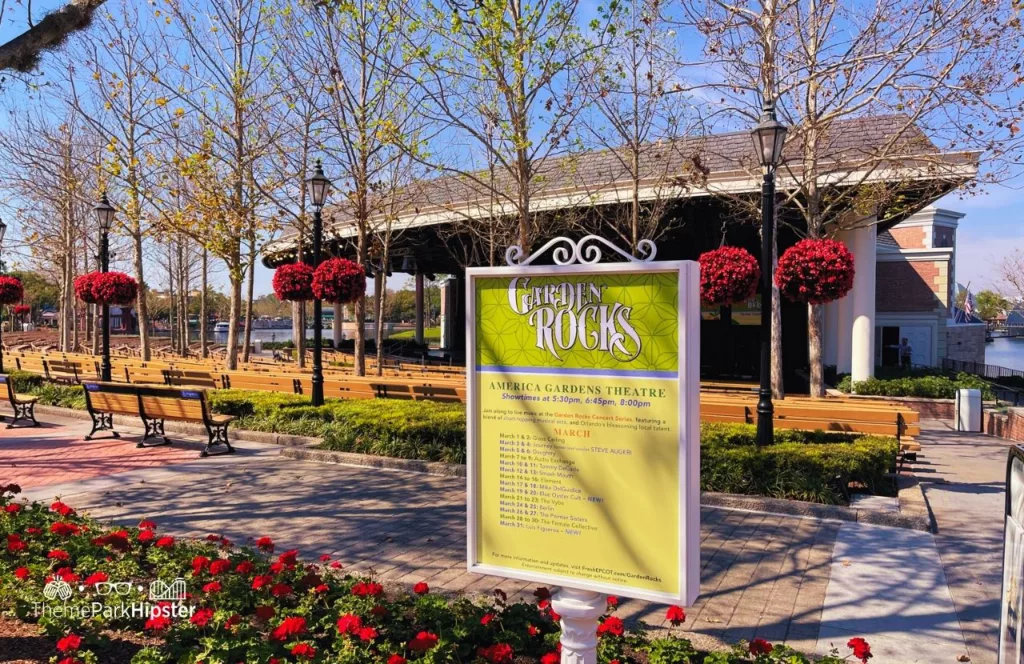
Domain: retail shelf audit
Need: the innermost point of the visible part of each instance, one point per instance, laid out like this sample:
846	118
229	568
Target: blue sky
993	225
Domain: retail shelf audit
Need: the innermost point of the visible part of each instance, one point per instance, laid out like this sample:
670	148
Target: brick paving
50	454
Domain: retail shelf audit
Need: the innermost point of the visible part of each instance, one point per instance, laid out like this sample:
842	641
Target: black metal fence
980	369
1007	384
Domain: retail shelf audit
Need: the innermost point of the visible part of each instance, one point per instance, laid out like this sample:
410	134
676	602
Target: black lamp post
317	187
3	231
105	215
769	136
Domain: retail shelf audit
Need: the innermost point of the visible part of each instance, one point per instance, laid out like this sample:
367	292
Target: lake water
1006	352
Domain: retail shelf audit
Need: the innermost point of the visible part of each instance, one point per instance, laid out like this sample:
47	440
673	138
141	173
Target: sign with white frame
583	424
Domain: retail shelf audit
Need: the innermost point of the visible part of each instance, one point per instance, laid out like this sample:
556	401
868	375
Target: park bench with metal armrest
23	404
104	400
159	404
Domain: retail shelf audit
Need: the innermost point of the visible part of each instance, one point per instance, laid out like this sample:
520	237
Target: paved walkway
963	477
803	581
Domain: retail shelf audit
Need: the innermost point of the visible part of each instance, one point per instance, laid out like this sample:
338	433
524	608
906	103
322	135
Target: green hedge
812	466
404	429
932	387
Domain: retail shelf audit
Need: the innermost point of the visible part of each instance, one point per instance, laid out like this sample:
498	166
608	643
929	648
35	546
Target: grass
430	335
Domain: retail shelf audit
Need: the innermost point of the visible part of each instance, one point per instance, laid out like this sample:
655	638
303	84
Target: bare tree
939	70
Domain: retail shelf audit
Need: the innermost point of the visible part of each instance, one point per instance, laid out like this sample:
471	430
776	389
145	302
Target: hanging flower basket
339	280
21	309
11	290
115	288
815	271
728	275
293	282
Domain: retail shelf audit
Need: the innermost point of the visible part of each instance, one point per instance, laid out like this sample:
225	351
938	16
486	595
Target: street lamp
769	136
318	186
105	216
3	231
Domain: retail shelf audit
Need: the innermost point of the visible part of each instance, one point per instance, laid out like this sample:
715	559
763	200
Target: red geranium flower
265	544
728	275
146	536
212	587
219	566
64	529
69	643
423	642
759	647
288	558
11	290
542	593
202	617
336	565
339	280
232	621
13	508
146	524
367	589
367	634
261	580
321	589
245	567
325	557
815	271
58	554
198	564
349	623
486	619
421	588
67	574
265	612
861	649
396	659
499	653
293	282
280	590
611	625
303	650
22	573
289	628
550	658
159	622
532	631
61	508
96	577
612	601
14	543
165	542
675	615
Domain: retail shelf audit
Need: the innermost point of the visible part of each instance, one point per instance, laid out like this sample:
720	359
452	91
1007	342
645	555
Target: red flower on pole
21	309
339	280
293	282
11	290
728	275
106	288
815	271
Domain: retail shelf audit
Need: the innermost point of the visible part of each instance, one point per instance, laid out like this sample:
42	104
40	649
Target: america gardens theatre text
583	426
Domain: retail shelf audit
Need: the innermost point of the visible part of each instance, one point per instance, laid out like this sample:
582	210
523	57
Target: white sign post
583	455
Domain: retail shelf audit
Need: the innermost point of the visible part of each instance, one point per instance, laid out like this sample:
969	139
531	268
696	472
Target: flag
969	304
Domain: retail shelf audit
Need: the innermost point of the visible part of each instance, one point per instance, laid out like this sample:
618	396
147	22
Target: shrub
928	386
24	382
812	466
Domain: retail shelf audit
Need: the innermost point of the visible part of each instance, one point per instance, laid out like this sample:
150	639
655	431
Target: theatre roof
855	151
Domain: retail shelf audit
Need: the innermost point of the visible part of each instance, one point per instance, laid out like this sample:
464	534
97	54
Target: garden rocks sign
583	455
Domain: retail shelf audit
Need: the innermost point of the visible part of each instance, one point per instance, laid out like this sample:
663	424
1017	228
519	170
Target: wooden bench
144	375
191	378
66	371
159	404
104	400
23	404
251	381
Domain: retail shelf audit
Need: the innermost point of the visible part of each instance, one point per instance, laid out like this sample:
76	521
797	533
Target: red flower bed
326	613
815	271
115	288
11	290
339	280
728	275
293	282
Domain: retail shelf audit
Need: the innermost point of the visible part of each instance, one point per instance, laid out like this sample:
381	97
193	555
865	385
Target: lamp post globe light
3	231
317	187
105	216
769	137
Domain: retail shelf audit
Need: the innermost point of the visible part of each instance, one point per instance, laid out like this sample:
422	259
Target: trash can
968	410
258	346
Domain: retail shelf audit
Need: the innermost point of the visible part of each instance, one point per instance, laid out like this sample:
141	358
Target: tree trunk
382	284
815	325
204	348
299	333
141	306
235	313
250	277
